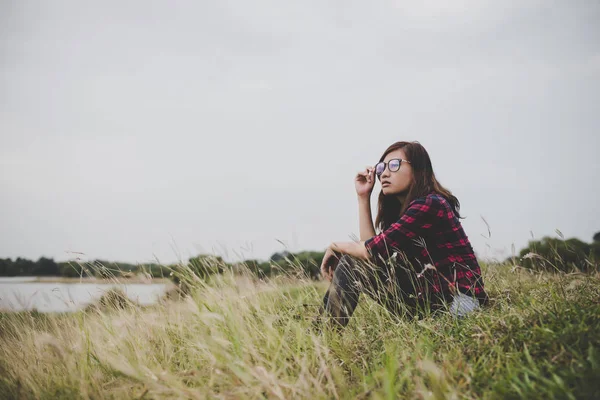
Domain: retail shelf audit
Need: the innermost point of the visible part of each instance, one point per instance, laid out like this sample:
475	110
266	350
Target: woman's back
429	233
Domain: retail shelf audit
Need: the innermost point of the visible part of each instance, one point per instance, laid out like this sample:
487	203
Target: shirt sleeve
416	221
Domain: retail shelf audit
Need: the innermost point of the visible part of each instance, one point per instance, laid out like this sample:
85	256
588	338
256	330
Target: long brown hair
424	182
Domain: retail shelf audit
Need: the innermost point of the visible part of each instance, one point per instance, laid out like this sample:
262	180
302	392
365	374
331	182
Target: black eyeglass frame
387	165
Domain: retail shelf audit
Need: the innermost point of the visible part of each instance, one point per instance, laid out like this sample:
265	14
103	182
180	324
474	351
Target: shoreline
60	279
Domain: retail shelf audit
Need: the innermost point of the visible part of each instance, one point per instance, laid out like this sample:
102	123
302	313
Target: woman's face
398	182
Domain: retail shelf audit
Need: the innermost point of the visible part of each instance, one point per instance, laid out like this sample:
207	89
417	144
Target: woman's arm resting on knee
335	250
354	249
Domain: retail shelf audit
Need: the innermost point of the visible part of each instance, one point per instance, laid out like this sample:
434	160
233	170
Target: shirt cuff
369	246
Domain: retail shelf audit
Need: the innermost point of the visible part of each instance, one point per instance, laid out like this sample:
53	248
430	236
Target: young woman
421	260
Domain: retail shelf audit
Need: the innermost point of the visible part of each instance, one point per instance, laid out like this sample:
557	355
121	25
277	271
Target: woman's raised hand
364	182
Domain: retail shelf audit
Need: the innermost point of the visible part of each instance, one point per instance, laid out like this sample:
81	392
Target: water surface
23	293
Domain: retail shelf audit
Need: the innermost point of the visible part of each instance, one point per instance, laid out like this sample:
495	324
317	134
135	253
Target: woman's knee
350	270
344	267
347	261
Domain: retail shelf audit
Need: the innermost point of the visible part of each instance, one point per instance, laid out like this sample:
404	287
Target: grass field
236	338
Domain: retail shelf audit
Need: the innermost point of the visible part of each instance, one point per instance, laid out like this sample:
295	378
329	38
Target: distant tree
73	269
7	267
554	254
45	267
310	261
24	267
103	269
202	267
276	257
596	249
205	265
260	269
305	263
155	270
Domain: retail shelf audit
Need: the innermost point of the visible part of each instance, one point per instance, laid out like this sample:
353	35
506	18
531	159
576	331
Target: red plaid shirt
430	233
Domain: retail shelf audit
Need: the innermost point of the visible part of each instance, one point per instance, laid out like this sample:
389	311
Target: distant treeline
48	267
559	254
551	254
307	262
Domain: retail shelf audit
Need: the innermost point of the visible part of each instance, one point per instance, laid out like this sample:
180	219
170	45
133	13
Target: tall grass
237	337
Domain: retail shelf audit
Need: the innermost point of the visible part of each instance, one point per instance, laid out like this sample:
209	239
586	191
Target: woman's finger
324	266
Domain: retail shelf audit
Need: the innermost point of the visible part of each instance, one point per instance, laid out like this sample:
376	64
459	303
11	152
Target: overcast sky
131	131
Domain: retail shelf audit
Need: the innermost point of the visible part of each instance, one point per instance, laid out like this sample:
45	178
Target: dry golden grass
237	338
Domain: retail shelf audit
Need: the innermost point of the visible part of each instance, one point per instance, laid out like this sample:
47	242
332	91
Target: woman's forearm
354	249
365	220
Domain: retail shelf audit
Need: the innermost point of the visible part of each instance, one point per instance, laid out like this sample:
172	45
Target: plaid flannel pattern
430	233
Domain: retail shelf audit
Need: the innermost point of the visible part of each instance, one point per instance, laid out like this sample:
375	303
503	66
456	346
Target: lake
27	293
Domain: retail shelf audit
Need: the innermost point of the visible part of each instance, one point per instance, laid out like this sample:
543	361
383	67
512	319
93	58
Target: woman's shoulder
432	199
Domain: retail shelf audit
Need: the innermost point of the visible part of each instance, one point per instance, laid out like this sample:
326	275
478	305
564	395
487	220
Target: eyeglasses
393	165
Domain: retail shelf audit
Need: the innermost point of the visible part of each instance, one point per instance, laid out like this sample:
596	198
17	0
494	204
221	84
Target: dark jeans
392	287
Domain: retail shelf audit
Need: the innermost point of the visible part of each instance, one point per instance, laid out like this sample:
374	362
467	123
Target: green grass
237	338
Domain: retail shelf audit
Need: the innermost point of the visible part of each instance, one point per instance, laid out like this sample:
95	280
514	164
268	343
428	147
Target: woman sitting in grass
422	260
